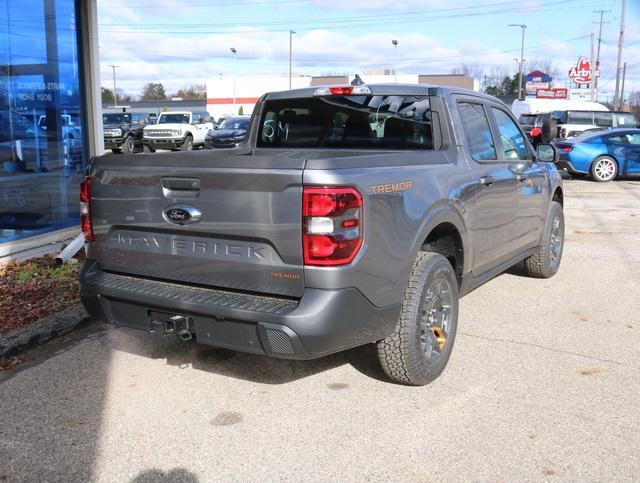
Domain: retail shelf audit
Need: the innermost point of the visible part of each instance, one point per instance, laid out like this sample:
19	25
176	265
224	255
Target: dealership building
50	122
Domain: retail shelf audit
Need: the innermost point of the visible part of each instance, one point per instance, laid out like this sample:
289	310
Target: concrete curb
42	330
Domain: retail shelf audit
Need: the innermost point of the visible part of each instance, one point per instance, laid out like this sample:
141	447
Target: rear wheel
604	169
546	261
418	350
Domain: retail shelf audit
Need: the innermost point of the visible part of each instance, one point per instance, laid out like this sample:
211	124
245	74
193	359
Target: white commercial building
225	96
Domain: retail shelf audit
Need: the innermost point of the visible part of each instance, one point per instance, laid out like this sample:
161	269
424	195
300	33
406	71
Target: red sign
553	93
581	73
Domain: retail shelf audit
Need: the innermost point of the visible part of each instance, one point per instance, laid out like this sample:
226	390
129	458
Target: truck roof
380	89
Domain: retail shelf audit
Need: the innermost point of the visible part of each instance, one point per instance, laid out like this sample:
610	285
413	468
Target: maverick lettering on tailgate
193	246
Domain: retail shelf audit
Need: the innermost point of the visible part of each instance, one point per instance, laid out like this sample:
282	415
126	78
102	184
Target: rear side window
513	144
365	122
603	119
477	131
578	117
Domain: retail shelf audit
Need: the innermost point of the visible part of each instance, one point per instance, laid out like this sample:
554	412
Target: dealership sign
581	73
552	93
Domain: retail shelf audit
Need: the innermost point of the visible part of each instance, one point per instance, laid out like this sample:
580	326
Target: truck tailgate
248	236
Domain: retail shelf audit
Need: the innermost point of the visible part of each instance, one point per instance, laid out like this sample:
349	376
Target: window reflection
41	145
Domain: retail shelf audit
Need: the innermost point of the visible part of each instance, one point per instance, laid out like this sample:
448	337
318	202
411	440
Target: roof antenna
357	81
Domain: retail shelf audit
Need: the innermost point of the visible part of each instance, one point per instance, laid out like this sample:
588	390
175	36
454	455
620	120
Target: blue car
602	154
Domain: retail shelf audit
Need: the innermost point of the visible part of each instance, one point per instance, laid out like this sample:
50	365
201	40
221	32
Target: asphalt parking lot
543	383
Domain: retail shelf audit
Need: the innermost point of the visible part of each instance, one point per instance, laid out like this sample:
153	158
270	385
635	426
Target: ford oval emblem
182	214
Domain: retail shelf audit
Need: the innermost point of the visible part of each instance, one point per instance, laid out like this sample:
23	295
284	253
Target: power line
336	22
519	4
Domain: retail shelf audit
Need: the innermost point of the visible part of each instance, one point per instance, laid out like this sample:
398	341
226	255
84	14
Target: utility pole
521	68
395	72
601	12
624	74
616	97
115	96
234	52
291	32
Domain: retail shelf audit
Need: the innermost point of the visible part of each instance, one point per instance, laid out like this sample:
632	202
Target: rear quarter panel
397	219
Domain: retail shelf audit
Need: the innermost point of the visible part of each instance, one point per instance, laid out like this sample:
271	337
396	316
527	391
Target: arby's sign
581	73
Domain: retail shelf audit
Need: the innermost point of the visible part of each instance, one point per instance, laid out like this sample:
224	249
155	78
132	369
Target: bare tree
543	65
474	71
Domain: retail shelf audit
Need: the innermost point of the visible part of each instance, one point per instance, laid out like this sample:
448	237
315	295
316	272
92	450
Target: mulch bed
35	289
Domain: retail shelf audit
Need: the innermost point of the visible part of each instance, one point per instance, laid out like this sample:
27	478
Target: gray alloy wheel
604	169
418	350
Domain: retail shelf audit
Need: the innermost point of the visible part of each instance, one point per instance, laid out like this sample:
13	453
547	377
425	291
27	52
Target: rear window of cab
359	121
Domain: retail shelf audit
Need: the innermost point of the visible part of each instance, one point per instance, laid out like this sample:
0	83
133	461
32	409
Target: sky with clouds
180	43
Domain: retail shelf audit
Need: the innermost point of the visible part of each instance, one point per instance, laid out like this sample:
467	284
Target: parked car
229	133
177	130
123	131
602	154
350	215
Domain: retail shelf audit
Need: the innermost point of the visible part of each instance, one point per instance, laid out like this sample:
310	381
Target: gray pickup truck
350	215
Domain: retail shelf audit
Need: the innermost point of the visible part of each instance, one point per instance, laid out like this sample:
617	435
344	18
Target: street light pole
234	52
291	32
395	71
115	96
520	70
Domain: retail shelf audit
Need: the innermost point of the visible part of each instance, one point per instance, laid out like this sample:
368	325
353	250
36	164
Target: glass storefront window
42	153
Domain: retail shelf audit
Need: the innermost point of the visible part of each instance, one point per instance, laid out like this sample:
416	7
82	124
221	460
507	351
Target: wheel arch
558	195
445	233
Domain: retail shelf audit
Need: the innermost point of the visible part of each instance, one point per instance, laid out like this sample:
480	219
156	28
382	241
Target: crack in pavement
539	346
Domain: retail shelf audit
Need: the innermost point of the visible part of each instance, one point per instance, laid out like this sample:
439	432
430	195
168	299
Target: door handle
487	180
175	187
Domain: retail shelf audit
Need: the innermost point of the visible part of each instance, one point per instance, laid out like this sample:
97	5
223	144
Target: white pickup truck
177	130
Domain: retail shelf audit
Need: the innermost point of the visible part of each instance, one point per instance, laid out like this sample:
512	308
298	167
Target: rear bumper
566	165
320	323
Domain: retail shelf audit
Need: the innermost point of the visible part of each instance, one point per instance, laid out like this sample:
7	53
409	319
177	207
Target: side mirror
546	153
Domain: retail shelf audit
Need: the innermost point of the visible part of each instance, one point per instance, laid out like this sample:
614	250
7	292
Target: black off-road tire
148	149
128	146
401	354
188	143
546	261
116	150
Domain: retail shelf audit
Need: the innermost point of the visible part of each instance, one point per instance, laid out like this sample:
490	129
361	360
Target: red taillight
332	225
85	210
567	149
341	91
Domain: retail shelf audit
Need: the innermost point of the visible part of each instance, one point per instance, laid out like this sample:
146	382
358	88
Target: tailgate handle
173	187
